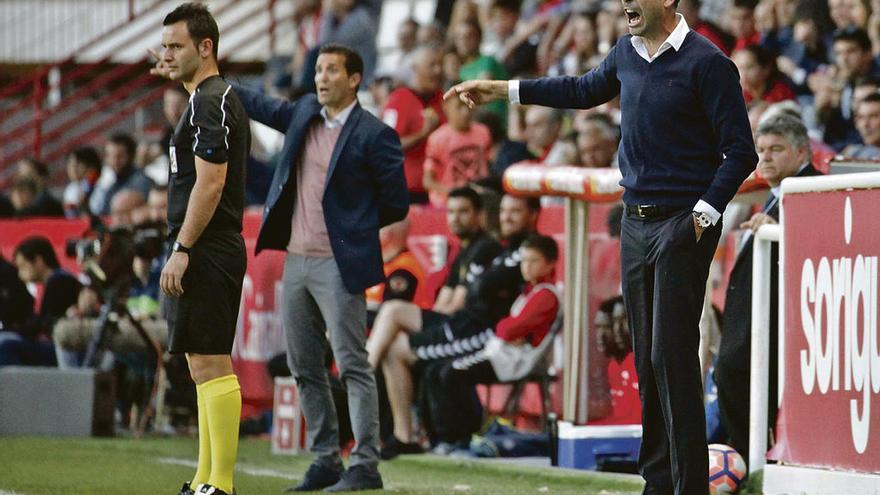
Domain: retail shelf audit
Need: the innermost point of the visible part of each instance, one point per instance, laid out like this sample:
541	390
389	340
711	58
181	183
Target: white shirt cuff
704	207
513	92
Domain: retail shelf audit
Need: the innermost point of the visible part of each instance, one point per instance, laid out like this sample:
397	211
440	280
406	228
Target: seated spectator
397	64
37	263
467	36
118	174
41	203
868	125
505	353
350	23
614	340
542	133
456	153
834	88
741	23
807	51
415	111
513	47
404	276
760	79
16	310
597	144
400	345
784	151
83	170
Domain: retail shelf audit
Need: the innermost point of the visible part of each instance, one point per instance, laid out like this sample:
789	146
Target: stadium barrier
829	364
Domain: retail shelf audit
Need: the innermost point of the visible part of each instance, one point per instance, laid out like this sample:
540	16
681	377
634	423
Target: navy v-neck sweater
685	132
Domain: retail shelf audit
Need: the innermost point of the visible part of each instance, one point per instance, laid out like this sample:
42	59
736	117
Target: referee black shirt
214	127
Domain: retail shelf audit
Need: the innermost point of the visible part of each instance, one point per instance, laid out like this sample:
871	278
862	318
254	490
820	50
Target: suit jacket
734	352
364	191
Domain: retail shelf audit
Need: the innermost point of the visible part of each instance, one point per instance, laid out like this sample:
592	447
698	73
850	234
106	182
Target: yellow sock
203	471
223	401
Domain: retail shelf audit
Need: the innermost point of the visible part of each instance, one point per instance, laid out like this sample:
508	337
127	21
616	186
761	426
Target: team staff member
686	147
204	274
340	180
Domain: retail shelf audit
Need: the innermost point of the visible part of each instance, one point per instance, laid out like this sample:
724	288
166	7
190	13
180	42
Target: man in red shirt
414	111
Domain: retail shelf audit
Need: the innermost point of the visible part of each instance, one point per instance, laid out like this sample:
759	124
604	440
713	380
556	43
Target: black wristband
177	247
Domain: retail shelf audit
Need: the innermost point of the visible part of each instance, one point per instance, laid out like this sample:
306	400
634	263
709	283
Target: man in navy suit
685	148
784	150
340	179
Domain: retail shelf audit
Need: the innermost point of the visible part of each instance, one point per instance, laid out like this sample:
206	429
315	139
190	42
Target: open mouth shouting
633	17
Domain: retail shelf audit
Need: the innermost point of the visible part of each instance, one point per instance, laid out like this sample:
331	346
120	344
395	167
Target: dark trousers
664	282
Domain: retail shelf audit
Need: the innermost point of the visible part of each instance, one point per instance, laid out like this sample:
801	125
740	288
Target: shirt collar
340	119
776	190
674	40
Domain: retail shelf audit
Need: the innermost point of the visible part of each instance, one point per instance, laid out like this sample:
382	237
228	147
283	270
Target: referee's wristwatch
703	219
177	247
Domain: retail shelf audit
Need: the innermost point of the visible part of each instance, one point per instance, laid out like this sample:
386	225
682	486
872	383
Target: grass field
154	466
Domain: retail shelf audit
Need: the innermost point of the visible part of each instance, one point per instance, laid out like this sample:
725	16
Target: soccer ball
727	469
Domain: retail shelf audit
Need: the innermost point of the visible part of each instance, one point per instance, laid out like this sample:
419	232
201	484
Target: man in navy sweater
686	147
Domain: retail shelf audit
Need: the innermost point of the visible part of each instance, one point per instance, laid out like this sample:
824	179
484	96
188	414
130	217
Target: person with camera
204	274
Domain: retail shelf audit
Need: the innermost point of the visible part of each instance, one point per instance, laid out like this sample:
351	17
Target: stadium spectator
451	66
741	23
868	125
119	173
467	36
125	203
807	51
404	276
41	203
541	132
759	76
597	144
502	353
397	64
398	346
432	34
834	88
83	170
414	112
37	263
23	197
456	153
784	151
578	47
350	23
174	102
690	9
849	13
514	48
614	340
16	309
610	25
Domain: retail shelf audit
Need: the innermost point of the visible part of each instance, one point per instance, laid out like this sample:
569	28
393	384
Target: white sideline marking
269	473
4	492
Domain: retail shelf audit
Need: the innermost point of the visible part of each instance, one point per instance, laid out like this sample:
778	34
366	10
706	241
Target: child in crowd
457	152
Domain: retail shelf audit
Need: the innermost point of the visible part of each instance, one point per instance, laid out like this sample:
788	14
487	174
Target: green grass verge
35	466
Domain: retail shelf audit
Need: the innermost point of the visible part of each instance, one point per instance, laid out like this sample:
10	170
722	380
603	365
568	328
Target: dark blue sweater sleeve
272	112
722	97
592	89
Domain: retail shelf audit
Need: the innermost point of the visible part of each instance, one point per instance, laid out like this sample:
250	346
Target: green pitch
155	466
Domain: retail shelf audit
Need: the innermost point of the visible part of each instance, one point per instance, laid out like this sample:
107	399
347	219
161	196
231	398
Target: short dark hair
88	156
354	64
745	4
534	204
468	194
855	34
199	22
35	246
508	5
545	245
126	141
871	98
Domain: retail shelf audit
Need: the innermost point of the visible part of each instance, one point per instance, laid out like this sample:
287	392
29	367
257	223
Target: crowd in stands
809	70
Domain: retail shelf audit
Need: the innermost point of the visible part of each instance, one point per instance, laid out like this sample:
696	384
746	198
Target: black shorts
203	319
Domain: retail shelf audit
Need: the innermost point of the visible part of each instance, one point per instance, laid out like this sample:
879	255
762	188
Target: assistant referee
203	276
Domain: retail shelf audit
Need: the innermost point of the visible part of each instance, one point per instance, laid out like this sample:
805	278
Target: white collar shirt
340	119
675	40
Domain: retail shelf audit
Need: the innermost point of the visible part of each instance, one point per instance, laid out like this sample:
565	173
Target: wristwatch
703	219
177	247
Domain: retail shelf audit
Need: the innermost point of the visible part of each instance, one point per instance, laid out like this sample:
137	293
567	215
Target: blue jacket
365	188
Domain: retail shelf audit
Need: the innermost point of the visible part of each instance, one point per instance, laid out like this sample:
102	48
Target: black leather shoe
357	478
395	447
317	478
185	489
